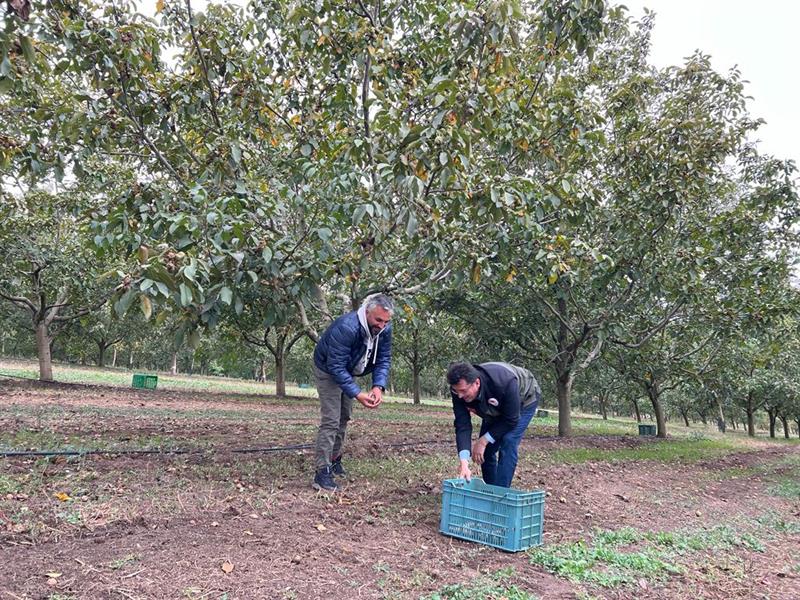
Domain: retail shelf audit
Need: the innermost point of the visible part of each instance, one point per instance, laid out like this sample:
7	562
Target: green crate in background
148	382
647	429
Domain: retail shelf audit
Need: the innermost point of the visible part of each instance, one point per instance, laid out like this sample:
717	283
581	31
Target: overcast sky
762	38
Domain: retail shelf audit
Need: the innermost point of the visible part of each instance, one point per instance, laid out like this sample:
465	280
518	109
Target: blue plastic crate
505	518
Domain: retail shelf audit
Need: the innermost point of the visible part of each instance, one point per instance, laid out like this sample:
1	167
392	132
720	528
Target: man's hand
478	449
463	470
377	395
368	400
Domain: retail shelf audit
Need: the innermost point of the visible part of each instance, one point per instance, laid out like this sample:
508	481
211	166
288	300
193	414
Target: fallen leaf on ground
62	496
321	527
53	574
227	566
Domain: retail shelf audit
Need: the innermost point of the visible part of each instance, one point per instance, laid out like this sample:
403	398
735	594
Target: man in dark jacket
357	343
505	397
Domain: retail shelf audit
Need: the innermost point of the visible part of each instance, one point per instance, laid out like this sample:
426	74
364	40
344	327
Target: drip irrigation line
54	382
168	451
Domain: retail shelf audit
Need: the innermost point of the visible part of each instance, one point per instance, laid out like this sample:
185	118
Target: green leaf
27	49
226	295
411	224
186	295
194	339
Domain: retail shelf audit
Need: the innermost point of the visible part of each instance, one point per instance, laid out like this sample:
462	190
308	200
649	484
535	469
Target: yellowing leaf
62	496
159	6
553	278
476	274
147	306
227	566
296	120
511	274
451	118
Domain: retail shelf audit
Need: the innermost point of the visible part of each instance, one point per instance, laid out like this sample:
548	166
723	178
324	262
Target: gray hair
382	300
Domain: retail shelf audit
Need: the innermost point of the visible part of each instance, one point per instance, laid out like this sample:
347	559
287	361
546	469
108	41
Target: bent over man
505	397
357	343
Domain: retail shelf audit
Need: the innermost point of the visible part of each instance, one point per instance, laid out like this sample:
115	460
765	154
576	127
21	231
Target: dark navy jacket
505	389
342	347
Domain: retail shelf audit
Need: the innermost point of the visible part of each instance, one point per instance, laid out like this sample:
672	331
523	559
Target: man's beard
374	330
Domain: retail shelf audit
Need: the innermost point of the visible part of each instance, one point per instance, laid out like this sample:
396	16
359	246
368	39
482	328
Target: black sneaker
323	480
337	468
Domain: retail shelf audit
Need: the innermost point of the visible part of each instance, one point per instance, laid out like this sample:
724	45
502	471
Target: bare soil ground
218	523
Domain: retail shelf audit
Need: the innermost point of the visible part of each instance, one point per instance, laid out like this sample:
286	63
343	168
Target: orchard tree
48	268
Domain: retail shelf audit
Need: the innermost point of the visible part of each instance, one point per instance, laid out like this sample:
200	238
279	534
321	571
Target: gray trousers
335	410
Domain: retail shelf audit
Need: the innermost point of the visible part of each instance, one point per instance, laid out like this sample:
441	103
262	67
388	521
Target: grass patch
787	488
621	557
660	450
602	563
493	586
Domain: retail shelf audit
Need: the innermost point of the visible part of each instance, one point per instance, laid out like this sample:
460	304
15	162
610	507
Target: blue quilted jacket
342	347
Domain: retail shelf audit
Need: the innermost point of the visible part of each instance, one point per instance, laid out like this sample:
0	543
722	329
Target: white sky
761	38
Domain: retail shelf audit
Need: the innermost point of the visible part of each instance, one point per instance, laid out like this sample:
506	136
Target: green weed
488	587
787	488
124	561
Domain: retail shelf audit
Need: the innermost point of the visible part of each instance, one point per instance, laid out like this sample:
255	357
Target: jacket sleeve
380	376
509	411
339	344
462	423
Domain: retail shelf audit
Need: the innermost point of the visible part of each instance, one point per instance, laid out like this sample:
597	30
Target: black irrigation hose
55	383
291	448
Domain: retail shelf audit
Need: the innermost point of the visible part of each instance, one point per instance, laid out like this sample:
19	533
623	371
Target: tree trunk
773	416
785	422
261	373
797	420
114	356
101	354
655	399
751	422
415	383
43	349
721	418
280	373
603	398
564	393
685	415
636	411
173	370
415	369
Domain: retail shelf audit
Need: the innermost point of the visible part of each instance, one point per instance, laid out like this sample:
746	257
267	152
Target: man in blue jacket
505	397
355	344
